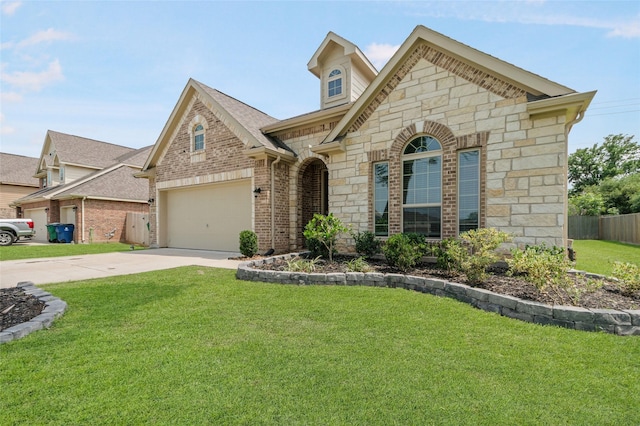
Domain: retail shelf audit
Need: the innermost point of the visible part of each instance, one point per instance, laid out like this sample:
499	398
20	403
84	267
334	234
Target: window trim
479	186
198	120
340	76
416	156
375	200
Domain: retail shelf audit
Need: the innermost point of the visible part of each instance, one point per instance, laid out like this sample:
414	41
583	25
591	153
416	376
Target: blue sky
114	70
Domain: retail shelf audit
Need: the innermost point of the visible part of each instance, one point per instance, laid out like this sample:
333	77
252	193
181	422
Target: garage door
209	217
39	217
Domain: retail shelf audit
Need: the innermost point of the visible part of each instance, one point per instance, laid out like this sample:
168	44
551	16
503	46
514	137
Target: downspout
567	129
82	218
273	202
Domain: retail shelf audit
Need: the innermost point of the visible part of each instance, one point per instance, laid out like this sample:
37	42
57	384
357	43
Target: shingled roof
17	170
72	149
247	116
117	183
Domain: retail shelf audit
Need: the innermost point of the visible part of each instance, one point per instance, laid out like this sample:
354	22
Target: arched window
334	83
422	187
198	138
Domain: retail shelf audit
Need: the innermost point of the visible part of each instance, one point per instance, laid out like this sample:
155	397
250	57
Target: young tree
619	155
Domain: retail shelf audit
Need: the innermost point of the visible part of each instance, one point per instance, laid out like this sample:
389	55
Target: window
335	83
198	138
381	198
61	174
468	190
422	187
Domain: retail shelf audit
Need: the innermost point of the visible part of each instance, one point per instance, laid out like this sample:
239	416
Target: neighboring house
87	183
443	139
16	180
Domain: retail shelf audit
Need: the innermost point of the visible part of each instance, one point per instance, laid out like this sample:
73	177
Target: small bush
629	276
477	252
316	248
248	243
358	265
401	252
299	264
546	268
444	253
325	229
366	243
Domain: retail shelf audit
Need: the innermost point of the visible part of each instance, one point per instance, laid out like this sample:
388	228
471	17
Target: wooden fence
624	228
137	229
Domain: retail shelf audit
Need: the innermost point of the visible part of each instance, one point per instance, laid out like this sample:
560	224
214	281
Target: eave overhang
330	148
572	106
264	153
308	119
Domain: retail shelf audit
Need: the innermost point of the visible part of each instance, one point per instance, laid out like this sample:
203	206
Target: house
443	139
16	180
87	183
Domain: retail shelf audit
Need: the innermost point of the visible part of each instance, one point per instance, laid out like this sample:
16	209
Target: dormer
343	70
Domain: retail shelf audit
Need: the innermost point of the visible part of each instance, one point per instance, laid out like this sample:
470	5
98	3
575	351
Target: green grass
194	345
22	251
598	256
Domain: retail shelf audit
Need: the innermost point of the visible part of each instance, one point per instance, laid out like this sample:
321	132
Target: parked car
13	229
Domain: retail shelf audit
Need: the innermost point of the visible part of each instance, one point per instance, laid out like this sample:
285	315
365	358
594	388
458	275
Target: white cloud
6	97
4	129
34	81
379	54
45	36
530	12
10	7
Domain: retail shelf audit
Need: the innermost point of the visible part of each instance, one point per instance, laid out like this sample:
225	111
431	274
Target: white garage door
39	217
209	217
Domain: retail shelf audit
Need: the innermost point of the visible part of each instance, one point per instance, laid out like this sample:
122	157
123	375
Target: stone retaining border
623	323
53	308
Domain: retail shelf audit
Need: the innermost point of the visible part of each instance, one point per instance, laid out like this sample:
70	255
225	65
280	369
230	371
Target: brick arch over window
450	146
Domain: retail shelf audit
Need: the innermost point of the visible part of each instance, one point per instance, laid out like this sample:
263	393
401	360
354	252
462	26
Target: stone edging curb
54	308
624	322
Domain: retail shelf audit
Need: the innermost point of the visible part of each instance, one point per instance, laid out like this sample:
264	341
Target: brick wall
102	217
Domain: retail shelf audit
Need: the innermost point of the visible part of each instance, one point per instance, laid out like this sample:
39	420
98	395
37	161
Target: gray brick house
443	139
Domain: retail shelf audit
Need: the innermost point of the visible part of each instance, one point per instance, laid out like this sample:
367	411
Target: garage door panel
39	217
209	217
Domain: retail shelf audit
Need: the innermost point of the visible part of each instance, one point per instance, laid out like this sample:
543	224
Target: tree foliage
617	156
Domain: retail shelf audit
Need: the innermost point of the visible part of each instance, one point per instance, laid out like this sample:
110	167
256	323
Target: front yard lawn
597	256
196	346
23	251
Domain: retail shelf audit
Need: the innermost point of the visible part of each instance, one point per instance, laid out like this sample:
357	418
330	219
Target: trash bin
52	233
65	232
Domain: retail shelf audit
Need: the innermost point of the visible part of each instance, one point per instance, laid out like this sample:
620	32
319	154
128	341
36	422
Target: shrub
358	265
302	265
477	252
316	248
629	276
366	243
546	268
419	242
325	229
401	252
248	243
444	253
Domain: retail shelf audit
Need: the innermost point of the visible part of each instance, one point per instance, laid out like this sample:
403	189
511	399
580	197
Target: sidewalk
83	267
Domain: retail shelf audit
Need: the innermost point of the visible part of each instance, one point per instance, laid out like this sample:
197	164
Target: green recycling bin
65	232
52	232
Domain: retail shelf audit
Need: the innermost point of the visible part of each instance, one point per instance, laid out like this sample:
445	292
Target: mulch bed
594	292
17	307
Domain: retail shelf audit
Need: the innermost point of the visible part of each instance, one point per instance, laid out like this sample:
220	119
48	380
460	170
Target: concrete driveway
83	267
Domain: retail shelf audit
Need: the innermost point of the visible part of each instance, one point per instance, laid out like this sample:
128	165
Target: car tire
6	238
